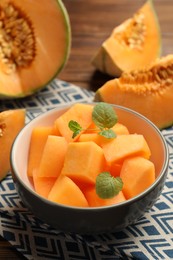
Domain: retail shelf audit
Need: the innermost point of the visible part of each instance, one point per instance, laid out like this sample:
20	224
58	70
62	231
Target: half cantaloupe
134	44
11	122
148	91
35	44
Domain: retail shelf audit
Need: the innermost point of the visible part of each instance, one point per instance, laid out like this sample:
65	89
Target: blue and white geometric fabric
150	238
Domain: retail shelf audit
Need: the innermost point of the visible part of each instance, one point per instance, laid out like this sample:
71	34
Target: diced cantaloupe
137	174
92	134
123	146
81	113
120	129
53	155
94	137
38	139
95	201
43	185
115	169
66	192
83	162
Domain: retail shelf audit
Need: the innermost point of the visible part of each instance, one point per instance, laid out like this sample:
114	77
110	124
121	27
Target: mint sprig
75	127
107	186
103	116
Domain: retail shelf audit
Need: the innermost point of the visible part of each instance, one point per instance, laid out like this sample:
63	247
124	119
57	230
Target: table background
92	21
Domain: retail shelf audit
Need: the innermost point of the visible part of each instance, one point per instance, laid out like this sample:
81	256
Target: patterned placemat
150	238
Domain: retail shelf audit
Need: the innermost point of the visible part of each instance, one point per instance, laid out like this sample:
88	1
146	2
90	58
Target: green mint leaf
74	127
104	115
108	186
108	133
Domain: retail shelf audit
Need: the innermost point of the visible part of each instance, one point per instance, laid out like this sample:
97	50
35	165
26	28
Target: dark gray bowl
91	220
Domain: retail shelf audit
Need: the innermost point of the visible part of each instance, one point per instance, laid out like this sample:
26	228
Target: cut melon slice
95	201
38	43
66	192
124	146
52	159
11	122
38	140
134	44
81	113
83	162
43	185
137	175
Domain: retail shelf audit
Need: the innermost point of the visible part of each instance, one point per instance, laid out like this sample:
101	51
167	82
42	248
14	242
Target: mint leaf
108	186
74	127
104	115
108	133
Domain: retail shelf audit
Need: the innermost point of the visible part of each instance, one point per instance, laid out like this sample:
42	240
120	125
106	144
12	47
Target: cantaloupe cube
94	137
81	113
53	155
38	139
43	185
115	169
83	162
137	174
66	192
91	134
123	146
120	129
95	201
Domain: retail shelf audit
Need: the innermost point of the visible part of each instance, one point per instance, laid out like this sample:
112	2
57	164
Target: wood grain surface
92	22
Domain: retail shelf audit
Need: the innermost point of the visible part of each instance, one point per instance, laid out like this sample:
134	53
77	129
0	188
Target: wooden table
92	21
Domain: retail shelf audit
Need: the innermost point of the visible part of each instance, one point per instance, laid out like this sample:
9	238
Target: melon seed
17	39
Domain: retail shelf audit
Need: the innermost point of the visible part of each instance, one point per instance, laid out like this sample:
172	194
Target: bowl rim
163	171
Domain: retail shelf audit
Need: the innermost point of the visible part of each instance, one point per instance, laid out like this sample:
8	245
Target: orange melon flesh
115	169
82	113
155	105
52	158
120	129
11	122
91	135
66	192
124	146
95	201
114	58
52	33
43	185
38	140
137	175
83	162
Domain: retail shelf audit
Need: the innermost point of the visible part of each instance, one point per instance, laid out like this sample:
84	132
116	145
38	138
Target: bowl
96	219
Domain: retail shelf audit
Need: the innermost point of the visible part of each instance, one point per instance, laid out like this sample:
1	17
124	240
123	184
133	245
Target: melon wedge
11	122
132	45
39	42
